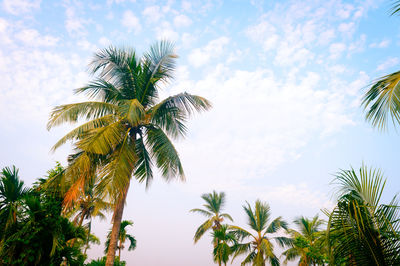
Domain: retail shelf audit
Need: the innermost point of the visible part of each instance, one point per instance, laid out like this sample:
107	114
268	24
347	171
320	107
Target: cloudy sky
285	79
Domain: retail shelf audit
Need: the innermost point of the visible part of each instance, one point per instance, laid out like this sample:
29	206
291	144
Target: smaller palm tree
257	246
12	192
122	237
225	239
308	242
215	202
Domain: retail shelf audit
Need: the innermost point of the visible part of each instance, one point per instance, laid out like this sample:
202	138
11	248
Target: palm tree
382	100
308	242
223	237
129	129
12	192
258	246
90	205
123	236
215	202
361	230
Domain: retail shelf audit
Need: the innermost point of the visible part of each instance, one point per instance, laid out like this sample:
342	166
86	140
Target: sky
285	78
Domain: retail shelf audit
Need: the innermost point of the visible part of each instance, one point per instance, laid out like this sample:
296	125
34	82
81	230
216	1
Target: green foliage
215	202
224	240
122	237
102	262
258	247
308	243
361	230
40	234
12	193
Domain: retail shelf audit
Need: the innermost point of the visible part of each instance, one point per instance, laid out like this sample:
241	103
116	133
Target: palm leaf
383	100
86	110
165	154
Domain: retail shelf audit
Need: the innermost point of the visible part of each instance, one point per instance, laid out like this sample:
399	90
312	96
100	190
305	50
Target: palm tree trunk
117	217
119	250
88	236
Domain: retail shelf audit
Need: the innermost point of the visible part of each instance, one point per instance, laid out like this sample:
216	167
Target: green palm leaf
382	101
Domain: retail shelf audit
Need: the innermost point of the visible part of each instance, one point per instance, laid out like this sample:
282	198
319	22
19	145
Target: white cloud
383	44
86	45
390	62
258	122
344	11
152	13
182	21
187	39
5	32
347	28
103	41
74	24
31	37
18	7
336	50
110	2
130	21
326	37
201	56
165	31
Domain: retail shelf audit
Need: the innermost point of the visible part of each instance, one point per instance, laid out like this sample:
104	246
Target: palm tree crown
12	191
225	240
129	127
308	242
361	230
123	236
258	246
215	202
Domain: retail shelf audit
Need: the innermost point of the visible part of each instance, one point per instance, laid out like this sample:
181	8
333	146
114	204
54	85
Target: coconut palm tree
215	202
123	236
129	128
89	205
257	246
12	192
382	100
225	240
361	230
308	242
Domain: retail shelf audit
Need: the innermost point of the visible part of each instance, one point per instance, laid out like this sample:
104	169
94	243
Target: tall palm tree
12	192
224	239
361	230
215	202
308	242
123	236
257	246
382	100
129	128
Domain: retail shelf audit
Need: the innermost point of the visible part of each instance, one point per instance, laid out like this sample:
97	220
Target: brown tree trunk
117	217
119	250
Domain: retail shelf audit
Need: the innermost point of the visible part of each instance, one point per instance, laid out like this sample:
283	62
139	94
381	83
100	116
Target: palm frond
382	101
115	175
204	212
70	113
202	229
143	171
80	131
165	154
101	90
102	140
225	215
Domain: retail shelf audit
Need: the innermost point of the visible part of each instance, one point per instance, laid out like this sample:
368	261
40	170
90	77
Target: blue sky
285	78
